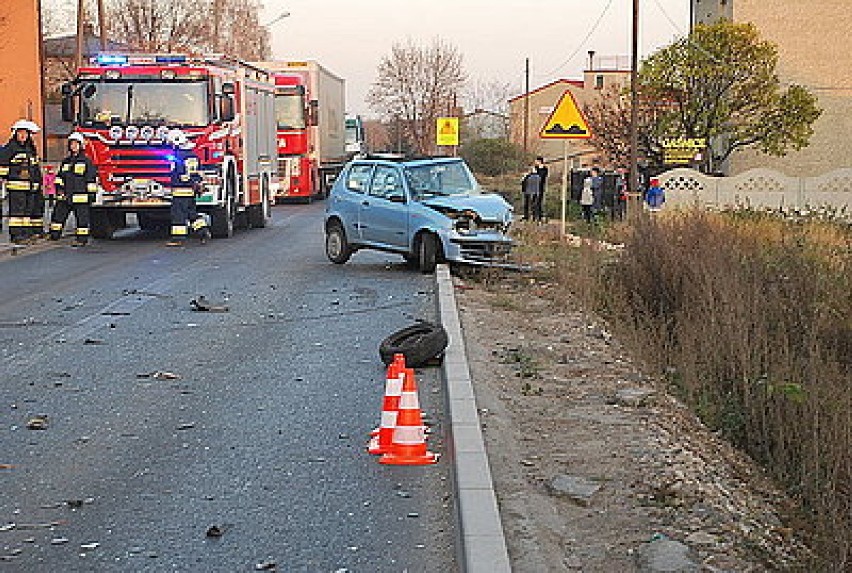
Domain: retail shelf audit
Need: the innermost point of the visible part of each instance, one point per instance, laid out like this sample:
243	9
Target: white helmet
26	124
78	137
179	139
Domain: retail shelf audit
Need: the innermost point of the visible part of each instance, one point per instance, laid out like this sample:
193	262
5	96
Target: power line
669	18
583	41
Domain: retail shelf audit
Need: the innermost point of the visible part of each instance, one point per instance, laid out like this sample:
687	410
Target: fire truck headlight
162	132
131	131
147	132
115	132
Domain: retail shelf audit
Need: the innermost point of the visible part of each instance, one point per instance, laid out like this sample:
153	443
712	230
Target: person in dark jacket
531	190
542	171
185	183
76	190
20	167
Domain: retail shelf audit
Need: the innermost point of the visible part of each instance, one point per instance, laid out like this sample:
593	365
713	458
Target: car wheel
420	344
337	248
427	253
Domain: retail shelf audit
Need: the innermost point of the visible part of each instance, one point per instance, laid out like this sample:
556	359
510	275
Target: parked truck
310	118
356	143
126	105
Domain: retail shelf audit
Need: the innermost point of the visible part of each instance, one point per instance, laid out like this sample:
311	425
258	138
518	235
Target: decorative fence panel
759	188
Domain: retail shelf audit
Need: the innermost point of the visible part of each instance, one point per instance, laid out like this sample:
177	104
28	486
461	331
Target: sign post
565	122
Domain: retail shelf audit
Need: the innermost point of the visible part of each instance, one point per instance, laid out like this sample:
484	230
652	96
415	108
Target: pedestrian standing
587	200
185	183
20	167
76	190
597	189
655	196
531	190
542	171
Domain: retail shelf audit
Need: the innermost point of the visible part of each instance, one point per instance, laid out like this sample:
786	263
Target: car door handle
365	203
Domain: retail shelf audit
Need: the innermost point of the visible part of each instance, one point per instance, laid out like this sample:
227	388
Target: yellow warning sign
447	131
566	121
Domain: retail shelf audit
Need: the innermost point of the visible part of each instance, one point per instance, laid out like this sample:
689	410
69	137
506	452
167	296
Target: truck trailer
310	119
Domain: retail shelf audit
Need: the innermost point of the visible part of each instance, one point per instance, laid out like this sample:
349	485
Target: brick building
603	73
20	62
814	46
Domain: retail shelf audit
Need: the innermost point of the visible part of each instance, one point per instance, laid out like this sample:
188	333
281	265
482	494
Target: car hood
489	206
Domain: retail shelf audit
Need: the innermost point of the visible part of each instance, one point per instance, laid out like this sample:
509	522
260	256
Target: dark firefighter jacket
185	176
76	177
19	165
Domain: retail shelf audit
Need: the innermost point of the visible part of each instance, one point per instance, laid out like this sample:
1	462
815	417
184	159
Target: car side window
358	178
386	183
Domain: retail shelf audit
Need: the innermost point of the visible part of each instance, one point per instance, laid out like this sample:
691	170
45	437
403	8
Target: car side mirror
67	102
313	113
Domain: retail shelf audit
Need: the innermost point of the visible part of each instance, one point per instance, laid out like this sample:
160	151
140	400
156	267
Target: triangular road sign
566	121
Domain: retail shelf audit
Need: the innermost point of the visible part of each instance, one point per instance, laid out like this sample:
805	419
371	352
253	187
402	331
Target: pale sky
350	37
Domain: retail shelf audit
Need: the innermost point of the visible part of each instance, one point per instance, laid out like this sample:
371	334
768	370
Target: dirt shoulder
596	468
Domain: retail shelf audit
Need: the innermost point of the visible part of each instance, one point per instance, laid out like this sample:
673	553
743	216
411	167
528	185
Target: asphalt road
262	434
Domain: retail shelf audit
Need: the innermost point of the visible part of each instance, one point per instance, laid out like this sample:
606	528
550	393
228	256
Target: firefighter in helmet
75	191
19	166
186	184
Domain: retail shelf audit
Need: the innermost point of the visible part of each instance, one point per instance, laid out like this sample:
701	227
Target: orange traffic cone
382	437
409	437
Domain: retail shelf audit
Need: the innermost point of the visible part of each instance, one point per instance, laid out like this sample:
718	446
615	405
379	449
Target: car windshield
445	178
289	111
152	103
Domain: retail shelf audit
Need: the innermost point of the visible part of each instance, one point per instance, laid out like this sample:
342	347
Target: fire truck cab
125	106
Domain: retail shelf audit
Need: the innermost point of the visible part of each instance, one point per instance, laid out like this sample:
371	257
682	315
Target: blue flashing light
111	60
171	59
171	158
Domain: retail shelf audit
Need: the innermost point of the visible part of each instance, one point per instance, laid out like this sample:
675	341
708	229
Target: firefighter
19	166
75	191
185	183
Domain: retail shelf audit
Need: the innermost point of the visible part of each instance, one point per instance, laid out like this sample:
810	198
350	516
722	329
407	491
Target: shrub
493	157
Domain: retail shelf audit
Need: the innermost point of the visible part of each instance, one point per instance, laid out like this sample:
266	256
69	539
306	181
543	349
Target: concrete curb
482	543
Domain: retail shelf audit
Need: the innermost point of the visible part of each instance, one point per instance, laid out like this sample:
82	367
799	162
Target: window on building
599	82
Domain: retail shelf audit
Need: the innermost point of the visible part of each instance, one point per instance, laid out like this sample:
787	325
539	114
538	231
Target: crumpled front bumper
487	248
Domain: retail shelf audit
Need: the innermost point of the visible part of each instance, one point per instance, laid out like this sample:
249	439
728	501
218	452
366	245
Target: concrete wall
20	62
760	188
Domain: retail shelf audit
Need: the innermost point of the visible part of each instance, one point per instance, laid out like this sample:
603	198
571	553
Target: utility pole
217	22
78	56
102	25
526	106
634	103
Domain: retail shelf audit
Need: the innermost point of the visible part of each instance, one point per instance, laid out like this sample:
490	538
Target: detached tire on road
420	343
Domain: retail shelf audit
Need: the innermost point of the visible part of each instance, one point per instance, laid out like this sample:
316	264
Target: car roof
408	162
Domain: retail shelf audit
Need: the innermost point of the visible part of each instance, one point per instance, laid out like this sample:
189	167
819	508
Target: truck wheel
259	215
222	218
102	224
337	248
427	253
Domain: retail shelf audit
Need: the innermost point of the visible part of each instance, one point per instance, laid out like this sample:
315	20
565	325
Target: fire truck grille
141	163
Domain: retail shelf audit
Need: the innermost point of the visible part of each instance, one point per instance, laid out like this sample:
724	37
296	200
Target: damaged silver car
427	210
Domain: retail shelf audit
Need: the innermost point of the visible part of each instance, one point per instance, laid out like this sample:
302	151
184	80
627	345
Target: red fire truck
125	105
310	116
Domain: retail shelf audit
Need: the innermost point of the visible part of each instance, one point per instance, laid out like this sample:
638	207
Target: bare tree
486	104
609	120
415	85
187	26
